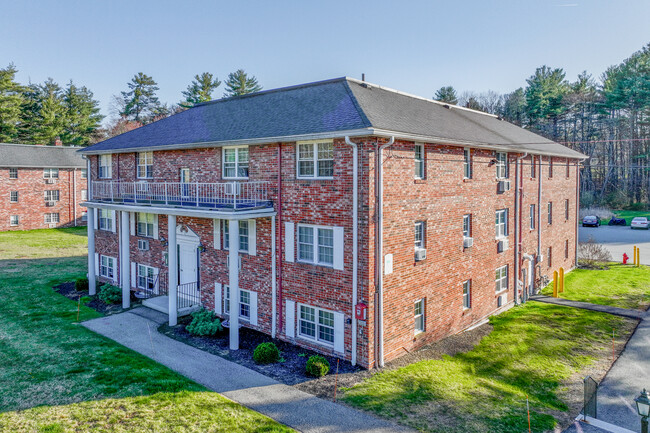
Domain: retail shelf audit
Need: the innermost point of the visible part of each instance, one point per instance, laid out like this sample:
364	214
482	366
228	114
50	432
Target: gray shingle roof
328	107
29	155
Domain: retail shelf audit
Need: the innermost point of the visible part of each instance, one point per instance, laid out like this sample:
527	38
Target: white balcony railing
223	195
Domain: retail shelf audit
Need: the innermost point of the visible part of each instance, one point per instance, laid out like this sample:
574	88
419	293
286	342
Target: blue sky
413	46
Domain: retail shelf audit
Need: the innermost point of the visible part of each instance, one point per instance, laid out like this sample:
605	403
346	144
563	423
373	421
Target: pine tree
545	98
514	107
11	100
140	101
239	83
446	94
43	113
200	90
82	118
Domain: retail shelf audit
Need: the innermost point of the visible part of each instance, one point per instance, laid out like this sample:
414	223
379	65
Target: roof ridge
41	146
357	105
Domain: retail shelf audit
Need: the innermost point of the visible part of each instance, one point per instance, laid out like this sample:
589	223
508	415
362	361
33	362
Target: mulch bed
69	291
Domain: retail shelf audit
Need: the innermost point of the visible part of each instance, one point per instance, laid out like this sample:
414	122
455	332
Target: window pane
306	243
326	246
306	168
229	155
305	152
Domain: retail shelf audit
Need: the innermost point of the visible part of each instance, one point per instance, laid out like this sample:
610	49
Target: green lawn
622	286
534	350
57	376
629	214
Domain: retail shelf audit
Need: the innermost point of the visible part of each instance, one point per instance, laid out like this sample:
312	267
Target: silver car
640	223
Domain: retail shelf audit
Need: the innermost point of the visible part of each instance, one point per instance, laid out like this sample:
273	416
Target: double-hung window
244	303
13	173
51	218
244	235
550	167
550	212
145	224
105	219
531	216
550	256
467	164
316	324
568	169
467	289
105	169
315	160
419	316
146	277
501	279
13	196
145	165
419	161
84	173
533	167
51	173
13	220
316	245
566	209
467	226
235	162
566	249
502	165
419	235
84	194
501	223
107	267
52	195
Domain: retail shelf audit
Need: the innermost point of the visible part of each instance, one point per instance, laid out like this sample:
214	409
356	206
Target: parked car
617	222
640	223
591	221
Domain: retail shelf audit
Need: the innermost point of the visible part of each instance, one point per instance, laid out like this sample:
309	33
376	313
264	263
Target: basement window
419	316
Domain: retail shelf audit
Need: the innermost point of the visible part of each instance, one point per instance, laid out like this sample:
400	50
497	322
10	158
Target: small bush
317	366
85	299
592	254
81	285
204	322
110	294
266	353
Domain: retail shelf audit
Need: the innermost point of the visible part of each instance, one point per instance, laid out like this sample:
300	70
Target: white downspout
355	241
379	259
518	210
273	277
74	196
539	212
531	282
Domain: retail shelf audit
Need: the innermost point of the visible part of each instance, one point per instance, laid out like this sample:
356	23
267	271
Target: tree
446	94
11	101
140	101
43	113
239	83
200	90
545	97
514	107
82	118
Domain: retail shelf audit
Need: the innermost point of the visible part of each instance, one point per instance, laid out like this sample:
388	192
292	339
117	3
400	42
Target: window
316	245
52	195
235	162
315	160
107	267
316	324
467	300
244	236
502	165
105	219
550	212
419	316
550	167
568	169
550	256
84	194
105	169
84	173
533	167
13	173
419	235
145	165
13	196
501	279
244	304
566	209
566	249
501	223
146	277
51	218
419	161
51	173
84	215
13	220
467	164
532	216
145	224
467	226
185	175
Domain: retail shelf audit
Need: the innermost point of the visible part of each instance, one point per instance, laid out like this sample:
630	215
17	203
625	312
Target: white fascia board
235	215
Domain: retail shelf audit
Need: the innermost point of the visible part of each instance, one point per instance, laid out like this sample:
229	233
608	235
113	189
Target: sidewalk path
617	311
299	410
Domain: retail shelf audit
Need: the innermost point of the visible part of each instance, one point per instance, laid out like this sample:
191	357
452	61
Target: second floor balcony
230	196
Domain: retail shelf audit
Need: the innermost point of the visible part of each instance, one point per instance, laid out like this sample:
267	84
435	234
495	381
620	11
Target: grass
535	350
619	285
629	214
57	376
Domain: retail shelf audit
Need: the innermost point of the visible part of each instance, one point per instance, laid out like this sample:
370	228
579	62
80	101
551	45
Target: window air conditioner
502	245
49	181
52	225
143	245
502	300
49	203
504	185
420	254
468	242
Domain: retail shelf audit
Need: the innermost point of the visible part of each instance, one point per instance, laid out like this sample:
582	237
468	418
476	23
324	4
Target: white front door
187	262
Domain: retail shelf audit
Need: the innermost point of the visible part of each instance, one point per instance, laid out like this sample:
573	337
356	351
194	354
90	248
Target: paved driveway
619	240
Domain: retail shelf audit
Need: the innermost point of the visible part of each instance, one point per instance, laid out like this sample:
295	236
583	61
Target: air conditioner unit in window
502	245
468	242
143	245
540	258
49	203
420	254
504	185
52	225
502	300
49	181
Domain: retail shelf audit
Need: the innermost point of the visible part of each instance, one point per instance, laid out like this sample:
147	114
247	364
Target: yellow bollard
555	284
561	289
634	260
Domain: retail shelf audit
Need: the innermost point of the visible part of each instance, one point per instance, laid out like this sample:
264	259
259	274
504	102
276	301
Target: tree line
606	118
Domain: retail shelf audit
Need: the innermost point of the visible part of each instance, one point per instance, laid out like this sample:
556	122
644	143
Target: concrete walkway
617	311
136	329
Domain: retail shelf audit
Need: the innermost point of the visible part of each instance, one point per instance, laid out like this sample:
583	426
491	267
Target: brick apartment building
41	187
369	221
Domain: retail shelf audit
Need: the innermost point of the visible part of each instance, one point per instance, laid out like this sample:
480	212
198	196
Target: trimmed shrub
204	322
81	285
266	353
110	294
317	366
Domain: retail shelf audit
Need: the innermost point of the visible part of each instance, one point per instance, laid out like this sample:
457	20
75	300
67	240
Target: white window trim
505	224
422	314
112	261
532	216
252	236
314	144
468	218
567	206
49	172
11	196
108	217
419	162
549	213
84	173
315	339
226	303
147	163
503	164
314	244
147	224
52	192
13	170
84	194
108	173
505	277
11	220
146	268
423	233
223	162
467	163
48	218
468	284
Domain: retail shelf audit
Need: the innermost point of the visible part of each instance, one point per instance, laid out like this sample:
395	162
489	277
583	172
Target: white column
233	274
92	278
173	270
125	259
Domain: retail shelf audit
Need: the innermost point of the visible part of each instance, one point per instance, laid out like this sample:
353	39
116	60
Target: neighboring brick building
41	187
304	174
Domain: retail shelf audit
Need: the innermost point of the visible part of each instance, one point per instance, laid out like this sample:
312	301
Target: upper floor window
419	161
235	162
145	224
105	167
185	175
84	194
419	235
566	209
550	167
51	218
467	164
13	196
502	165
244	235
13	173
315	159
145	165
568	168
419	316
51	173
532	216
84	173
467	226
533	167
52	195
566	249
501	279
550	212
105	219
550	256
316	244
501	223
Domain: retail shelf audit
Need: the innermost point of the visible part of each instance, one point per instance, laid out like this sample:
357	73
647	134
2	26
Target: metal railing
188	295
227	195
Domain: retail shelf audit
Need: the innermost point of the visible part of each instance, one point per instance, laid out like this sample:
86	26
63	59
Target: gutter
519	192
355	241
